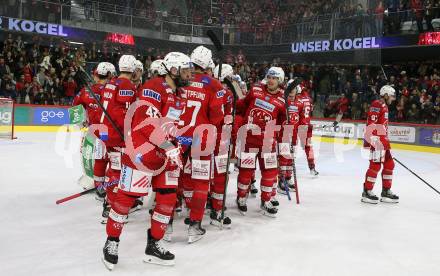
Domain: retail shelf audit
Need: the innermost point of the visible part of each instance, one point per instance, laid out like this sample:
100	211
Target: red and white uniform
116	98
296	113
260	107
85	99
205	105
143	168
305	129
376	138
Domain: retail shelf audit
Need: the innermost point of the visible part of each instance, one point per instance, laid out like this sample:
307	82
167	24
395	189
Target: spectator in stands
356	106
413	114
417	7
70	88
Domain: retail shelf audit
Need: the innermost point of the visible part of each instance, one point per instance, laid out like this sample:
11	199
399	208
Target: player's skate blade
241	204
156	253
389	197
108	265
217	222
195	231
158	261
369	197
267	209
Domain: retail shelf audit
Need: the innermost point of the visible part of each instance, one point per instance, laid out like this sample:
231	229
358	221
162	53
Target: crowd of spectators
34	74
244	21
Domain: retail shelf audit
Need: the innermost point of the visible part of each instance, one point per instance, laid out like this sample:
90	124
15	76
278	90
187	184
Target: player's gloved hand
174	157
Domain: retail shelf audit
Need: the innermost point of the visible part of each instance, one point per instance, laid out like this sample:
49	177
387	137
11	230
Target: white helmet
157	66
103	68
177	60
211	64
387	90
227	71
127	63
201	56
138	65
277	72
111	67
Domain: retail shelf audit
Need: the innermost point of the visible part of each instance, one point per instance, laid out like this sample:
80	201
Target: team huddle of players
172	135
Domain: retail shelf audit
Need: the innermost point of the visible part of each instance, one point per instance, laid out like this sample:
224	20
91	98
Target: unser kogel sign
20	25
336	45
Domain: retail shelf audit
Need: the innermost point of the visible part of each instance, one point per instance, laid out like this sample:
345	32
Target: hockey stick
416	175
228	161
287	91
59	201
219	48
87	80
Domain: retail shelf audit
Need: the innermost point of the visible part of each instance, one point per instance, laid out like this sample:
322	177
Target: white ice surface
330	233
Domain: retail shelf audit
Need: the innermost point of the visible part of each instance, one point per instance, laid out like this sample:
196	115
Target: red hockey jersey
259	107
204	103
158	110
85	99
116	98
377	125
307	108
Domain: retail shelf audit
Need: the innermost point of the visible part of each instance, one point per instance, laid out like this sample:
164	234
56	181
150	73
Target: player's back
204	102
116	98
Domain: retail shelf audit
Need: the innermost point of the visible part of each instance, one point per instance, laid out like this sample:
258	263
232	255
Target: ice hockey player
287	142
220	154
152	159
305	129
137	75
264	104
376	139
101	76
116	97
205	98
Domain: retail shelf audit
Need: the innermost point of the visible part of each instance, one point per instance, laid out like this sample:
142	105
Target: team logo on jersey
264	105
221	93
126	93
258	115
375	109
151	94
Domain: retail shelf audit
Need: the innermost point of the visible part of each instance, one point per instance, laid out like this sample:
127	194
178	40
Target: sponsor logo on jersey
110	86
264	105
169	90
151	94
221	93
173	114
386	115
196	84
293	108
267	98
206	80
194	94
126	93
375	109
